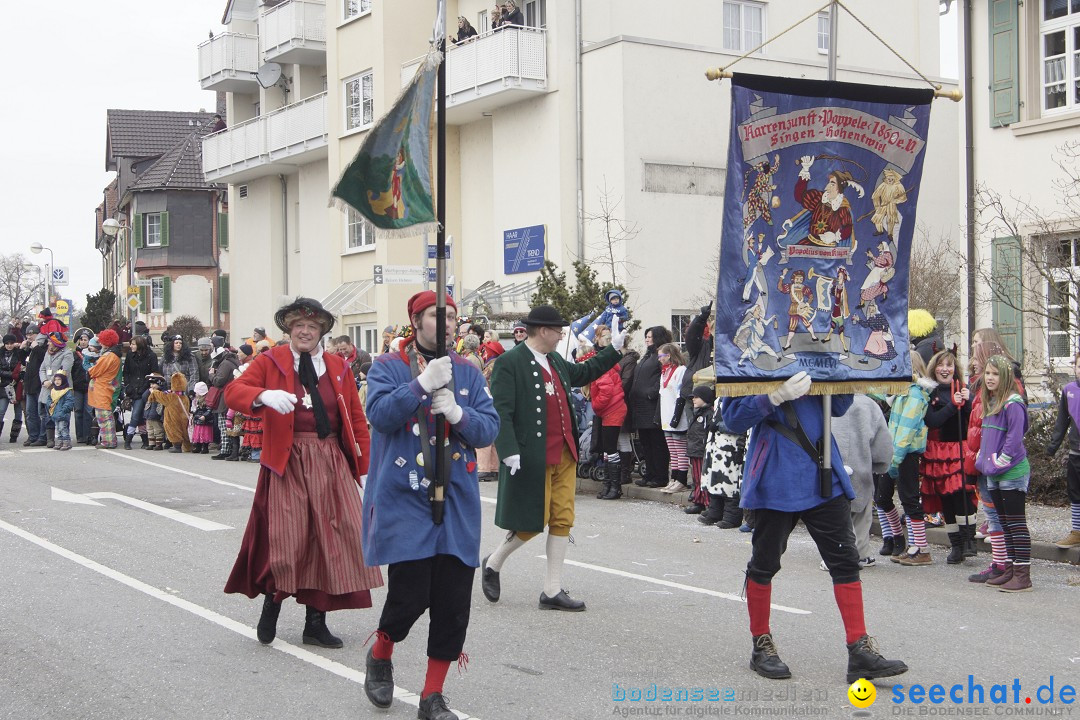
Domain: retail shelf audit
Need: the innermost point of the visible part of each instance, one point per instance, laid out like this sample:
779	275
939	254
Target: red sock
383	648
757	604
849	600
436	674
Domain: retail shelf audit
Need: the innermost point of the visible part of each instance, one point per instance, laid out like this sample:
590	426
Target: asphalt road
114	609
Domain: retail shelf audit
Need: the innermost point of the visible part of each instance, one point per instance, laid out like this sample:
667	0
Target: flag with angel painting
819	217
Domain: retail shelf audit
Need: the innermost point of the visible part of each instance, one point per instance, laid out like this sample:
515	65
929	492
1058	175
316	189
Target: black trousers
884	489
1072	478
654	447
442	585
829	525
907	485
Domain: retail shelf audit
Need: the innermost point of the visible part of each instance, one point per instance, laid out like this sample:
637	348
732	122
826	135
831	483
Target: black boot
433	707
316	632
50	434
223	453
899	545
603	490
733	514
886	546
234	451
176	448
16	427
626	467
956	549
715	512
765	660
267	627
379	680
614	491
969	544
865	661
127	440
145	440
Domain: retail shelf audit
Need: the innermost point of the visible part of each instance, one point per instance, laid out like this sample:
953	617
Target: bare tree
20	286
935	280
615	233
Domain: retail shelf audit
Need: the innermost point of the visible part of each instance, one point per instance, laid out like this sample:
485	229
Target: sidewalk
1043	520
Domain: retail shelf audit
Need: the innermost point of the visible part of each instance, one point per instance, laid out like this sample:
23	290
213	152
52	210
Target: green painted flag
389	181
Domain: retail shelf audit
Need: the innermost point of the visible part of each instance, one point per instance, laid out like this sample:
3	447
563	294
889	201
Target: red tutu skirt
941	471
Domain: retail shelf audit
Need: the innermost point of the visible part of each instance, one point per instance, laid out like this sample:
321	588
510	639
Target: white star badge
307	401
549	388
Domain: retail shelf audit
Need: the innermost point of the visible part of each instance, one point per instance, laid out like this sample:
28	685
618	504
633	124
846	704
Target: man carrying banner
781	485
431	567
538	446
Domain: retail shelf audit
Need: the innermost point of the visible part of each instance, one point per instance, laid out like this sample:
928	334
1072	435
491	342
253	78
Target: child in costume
202	421
154	412
696	436
177	408
721	473
62	403
907	425
614	309
1067	419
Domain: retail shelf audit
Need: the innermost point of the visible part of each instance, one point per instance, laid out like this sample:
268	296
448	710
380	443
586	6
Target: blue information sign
523	249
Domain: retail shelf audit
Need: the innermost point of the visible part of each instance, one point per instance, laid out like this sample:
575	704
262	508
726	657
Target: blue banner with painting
819	216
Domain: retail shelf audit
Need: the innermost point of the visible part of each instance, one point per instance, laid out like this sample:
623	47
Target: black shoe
713	514
379	680
561	601
655	484
956	549
614	491
641	482
176	449
433	707
603	490
489	582
316	632
865	661
765	660
726	525
694	509
267	627
886	546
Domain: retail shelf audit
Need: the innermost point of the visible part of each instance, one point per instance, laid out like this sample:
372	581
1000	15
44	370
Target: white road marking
678	586
178	470
299	653
191	520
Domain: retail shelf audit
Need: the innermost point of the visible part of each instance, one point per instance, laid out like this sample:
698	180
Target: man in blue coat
780	483
431	567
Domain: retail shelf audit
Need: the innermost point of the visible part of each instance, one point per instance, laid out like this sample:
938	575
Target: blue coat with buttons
397	513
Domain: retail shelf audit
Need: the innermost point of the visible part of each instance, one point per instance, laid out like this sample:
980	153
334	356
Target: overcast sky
66	71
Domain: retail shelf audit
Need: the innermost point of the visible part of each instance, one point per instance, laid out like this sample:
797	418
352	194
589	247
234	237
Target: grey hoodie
51	365
866	446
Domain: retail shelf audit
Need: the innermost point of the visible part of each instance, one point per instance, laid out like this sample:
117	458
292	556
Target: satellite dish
268	75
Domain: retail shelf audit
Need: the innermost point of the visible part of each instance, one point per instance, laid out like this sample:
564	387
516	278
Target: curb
935	536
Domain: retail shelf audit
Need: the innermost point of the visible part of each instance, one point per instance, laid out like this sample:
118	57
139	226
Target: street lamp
36	248
112	227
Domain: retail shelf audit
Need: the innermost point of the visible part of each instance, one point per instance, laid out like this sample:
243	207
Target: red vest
559	426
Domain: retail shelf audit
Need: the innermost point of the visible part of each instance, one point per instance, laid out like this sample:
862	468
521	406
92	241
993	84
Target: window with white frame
1059	46
152	231
680	321
359	232
365	337
744	25
823	33
356	8
157	294
483	22
360	101
1063	265
535	12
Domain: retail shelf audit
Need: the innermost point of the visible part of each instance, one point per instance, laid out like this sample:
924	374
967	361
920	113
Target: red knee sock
383	648
436	675
849	600
757	604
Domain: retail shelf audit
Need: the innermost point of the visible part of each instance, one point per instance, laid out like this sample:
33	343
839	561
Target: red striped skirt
303	535
941	471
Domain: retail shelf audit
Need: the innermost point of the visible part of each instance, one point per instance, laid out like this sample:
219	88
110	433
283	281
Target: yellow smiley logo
862	693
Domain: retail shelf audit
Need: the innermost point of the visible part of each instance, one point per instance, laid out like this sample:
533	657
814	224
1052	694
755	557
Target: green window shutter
223	294
1007	297
164	229
143	299
138	230
223	230
166	294
120	248
1004	63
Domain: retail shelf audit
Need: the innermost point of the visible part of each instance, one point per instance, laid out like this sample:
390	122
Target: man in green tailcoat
538	445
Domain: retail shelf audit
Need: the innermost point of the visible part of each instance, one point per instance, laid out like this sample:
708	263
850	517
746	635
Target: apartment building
1025	117
581	106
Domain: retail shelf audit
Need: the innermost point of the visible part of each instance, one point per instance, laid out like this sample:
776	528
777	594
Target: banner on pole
389	181
819	216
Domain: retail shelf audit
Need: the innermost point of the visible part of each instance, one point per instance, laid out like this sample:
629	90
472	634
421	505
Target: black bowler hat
303	307
544	316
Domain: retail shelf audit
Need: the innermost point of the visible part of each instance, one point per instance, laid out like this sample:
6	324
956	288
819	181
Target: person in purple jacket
1003	460
780	483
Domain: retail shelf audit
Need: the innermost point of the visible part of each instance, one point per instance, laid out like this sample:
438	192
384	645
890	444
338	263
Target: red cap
421	301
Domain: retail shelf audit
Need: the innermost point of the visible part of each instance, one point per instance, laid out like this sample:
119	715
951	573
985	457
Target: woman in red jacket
303	535
609	404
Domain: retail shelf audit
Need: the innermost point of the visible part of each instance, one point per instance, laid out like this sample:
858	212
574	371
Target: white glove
618	335
437	374
443	403
513	462
793	388
806	161
278	400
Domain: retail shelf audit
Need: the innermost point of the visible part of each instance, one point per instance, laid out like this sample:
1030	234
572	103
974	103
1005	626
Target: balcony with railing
227	62
294	32
269	144
495	69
